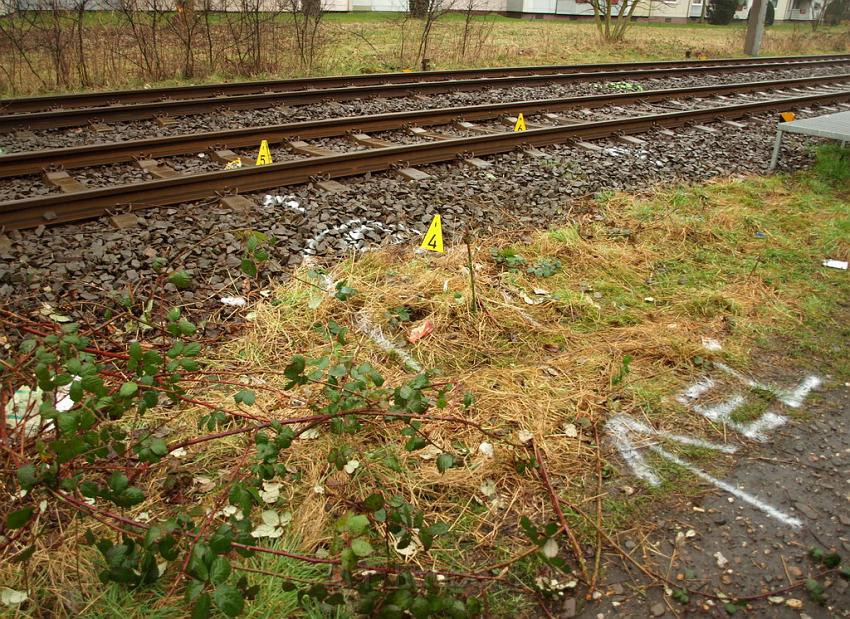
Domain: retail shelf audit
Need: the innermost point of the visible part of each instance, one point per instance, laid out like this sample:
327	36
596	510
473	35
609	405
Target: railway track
175	188
33	162
100	99
23	118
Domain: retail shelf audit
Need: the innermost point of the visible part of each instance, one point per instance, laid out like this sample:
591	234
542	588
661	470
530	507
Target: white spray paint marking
696	390
354	231
737	492
622	428
374	333
795	398
789	397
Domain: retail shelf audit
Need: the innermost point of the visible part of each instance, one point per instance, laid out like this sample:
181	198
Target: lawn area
317	435
221	47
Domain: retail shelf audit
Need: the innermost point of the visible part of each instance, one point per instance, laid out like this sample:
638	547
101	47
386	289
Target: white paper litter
835	264
236	301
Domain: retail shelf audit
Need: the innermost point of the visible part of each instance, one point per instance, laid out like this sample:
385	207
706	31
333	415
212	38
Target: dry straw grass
537	367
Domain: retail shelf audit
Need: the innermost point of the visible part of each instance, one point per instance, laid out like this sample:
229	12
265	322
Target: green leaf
17	519
445	462
180	279
24	555
832	560
361	547
229	600
27	476
118	482
220	570
415	443
245	397
249	268
159	447
357	524
128	390
203	607
374	502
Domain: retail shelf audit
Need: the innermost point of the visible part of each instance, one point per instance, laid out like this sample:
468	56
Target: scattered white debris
721	560
570	430
836	264
23	407
272	526
308	435
540	291
488	488
144	517
690	533
270	492
550	548
794	603
649	299
486	449
711	344
775	599
319	489
528	300
524	436
374	333
429	452
351	466
411	549
12	597
204	483
180	452
235	301
230	510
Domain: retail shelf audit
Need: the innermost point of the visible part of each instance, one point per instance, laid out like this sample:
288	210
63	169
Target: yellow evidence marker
520	123
787	117
433	240
265	156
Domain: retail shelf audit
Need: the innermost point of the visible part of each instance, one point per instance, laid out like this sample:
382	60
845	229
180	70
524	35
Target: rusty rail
142	111
31	162
32	212
100	99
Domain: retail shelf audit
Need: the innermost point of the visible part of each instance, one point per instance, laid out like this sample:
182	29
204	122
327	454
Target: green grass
354	43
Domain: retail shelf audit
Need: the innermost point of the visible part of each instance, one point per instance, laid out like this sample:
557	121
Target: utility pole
755	27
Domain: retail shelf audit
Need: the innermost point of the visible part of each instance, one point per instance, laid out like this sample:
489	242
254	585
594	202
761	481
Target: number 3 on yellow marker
433	240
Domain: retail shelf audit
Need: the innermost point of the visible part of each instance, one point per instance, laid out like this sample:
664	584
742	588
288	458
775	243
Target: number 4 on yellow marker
433	240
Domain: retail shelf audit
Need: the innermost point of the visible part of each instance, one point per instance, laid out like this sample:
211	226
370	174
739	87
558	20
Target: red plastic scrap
423	329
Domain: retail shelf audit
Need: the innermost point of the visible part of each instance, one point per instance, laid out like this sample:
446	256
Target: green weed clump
833	164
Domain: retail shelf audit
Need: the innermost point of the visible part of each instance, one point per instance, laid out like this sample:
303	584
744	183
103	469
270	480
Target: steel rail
32	212
31	162
99	99
141	111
